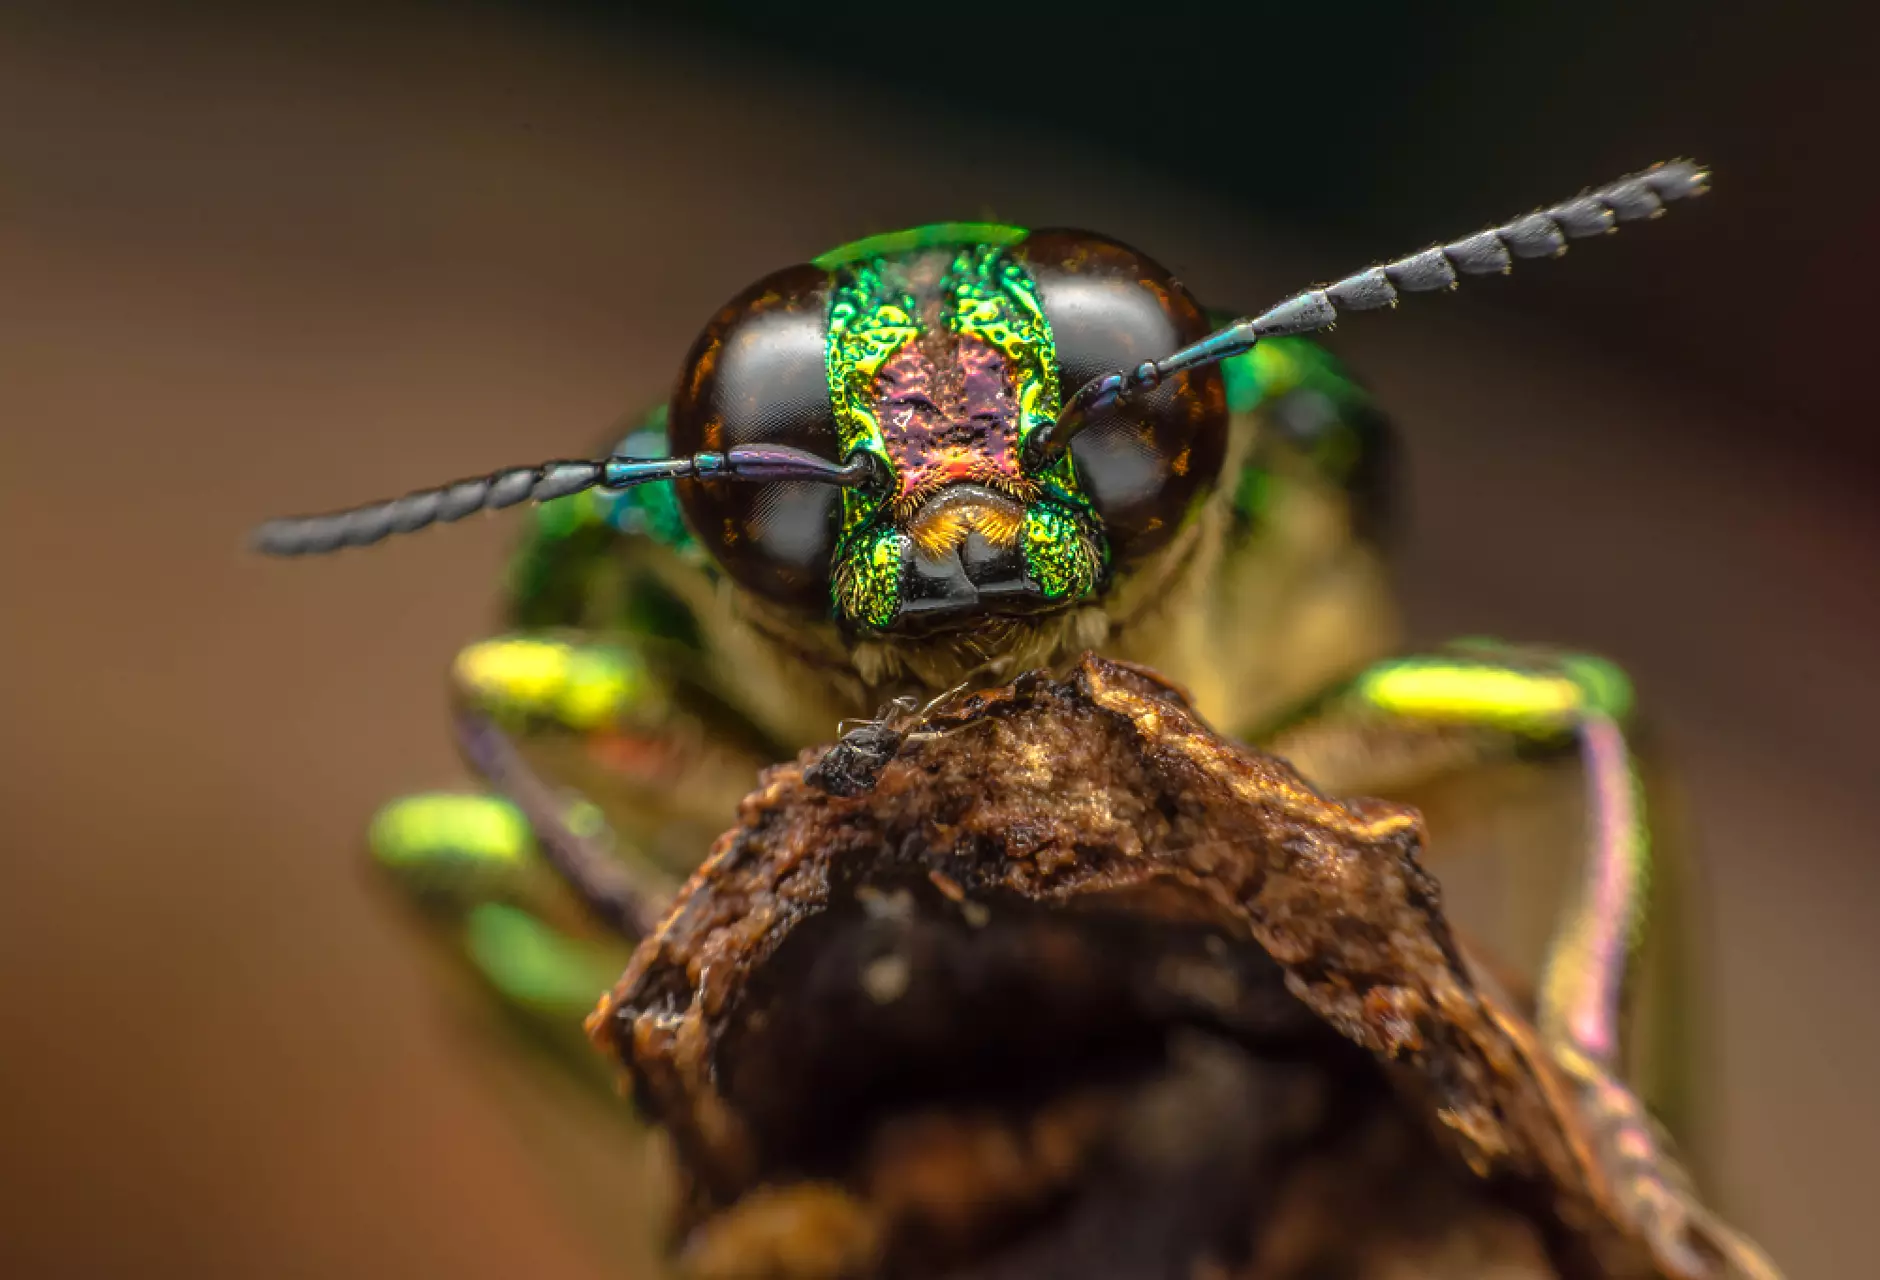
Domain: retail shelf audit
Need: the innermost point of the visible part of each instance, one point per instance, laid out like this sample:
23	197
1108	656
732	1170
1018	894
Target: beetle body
943	457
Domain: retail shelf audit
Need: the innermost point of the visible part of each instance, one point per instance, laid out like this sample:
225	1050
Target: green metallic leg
470	867
522	967
569	836
1548	702
526	891
578	692
591	757
1407	720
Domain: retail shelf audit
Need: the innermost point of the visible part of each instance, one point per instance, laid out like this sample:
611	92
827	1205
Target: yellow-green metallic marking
579	685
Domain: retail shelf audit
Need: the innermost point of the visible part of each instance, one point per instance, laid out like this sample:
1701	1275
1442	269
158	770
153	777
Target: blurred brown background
260	263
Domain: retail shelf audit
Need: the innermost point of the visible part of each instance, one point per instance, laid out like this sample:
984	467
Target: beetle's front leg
1407	720
615	780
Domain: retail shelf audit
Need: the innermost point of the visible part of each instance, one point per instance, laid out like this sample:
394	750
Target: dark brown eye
756	375
1147	462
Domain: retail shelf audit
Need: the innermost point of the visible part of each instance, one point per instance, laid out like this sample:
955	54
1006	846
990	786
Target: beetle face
938	353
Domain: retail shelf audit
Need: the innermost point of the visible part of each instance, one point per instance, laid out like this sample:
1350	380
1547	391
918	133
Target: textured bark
1054	981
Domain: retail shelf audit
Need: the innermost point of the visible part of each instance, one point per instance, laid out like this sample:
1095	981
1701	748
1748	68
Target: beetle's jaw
965	559
968	553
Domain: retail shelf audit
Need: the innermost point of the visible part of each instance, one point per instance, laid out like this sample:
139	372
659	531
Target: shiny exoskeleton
941	457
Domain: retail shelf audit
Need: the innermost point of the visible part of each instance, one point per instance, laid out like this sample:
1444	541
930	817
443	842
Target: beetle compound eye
756	376
1147	462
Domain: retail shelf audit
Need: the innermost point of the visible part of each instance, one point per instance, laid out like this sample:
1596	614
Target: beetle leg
624	773
526	887
526	890
572	838
615	775
591	759
1405	720
544	688
471	867
1408	720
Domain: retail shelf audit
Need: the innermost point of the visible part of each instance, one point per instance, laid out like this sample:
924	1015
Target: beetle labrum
943	457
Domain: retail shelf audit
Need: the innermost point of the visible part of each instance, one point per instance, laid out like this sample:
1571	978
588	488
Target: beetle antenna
363	525
1541	234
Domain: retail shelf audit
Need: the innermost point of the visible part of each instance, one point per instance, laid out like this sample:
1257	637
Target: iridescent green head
921	430
937	355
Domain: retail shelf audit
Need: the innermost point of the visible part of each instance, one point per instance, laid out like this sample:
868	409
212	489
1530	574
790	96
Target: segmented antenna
1540	234
361	526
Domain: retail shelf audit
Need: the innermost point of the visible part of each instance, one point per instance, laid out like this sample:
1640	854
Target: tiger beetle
943	457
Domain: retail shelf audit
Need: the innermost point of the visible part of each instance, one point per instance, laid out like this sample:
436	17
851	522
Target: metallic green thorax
988	303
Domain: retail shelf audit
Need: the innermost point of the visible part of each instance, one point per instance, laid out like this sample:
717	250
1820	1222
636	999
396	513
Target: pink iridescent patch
950	423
